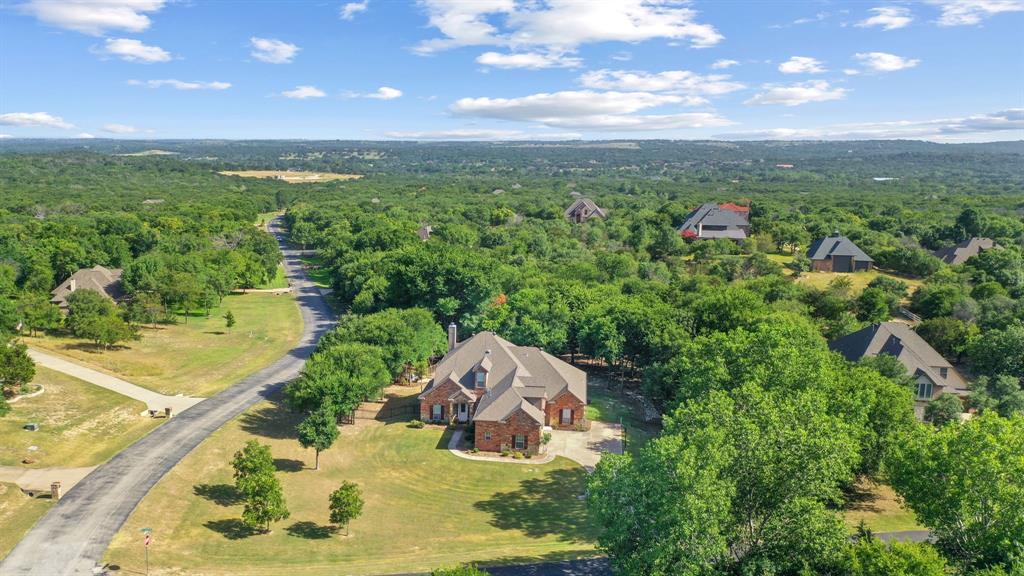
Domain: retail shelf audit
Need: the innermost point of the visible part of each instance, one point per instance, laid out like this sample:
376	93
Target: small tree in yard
461	570
944	409
254	478
229	320
346	504
319	431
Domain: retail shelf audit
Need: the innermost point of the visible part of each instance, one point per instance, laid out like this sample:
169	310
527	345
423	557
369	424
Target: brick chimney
453	336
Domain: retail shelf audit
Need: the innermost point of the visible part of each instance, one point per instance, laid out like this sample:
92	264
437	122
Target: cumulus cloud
84	135
982	126
272	51
528	60
797	94
888	17
482	134
693	86
561	25
120	129
884	62
802	65
94	16
304	92
34	119
588	110
135	51
182	84
385	93
723	63
349	11
2	136
970	12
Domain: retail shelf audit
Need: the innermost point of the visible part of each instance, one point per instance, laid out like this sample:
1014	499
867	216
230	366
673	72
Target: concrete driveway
587	447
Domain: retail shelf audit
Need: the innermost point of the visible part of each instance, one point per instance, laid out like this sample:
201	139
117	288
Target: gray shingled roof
711	214
515	375
899	340
106	281
836	245
585	203
963	251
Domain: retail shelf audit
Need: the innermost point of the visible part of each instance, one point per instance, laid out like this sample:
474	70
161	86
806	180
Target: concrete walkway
38	480
456	440
153	400
585	448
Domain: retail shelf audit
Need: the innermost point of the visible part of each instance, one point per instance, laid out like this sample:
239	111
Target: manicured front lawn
858	280
80	424
424	508
18	513
198	357
877	505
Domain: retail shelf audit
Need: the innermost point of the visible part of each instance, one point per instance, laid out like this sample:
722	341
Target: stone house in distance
106	281
584	209
510	393
837	253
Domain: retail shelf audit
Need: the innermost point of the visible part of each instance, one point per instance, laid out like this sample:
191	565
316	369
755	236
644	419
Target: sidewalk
153	400
38	480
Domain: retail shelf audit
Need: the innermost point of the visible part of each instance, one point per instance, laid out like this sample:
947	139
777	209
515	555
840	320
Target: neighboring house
961	252
424	232
712	220
934	374
106	281
510	393
837	253
584	209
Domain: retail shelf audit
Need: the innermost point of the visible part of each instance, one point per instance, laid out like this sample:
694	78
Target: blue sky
943	70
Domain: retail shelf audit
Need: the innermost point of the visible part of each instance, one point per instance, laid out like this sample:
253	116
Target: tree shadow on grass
289	465
545	506
219	494
274	421
231	528
311	530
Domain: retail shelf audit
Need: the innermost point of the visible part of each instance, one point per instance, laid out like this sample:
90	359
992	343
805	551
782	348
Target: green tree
949	336
254	478
872	557
318	431
38	313
944	409
229	320
460	570
1004	394
346	504
16	368
998	352
875	305
339	378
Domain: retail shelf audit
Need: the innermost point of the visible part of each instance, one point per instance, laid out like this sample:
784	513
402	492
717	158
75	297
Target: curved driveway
72	537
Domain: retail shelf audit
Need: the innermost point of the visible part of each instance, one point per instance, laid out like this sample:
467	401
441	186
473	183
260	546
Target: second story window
481	379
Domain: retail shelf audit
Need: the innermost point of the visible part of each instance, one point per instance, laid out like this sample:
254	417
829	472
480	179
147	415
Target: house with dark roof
963	251
510	393
933	373
837	253
424	232
584	209
711	220
106	281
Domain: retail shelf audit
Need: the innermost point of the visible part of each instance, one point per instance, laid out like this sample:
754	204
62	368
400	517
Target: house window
566	415
944	372
924	390
481	379
437	412
519	441
487	435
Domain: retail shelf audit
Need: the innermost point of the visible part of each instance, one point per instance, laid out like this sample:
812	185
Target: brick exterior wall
821	265
438	395
501	433
553	413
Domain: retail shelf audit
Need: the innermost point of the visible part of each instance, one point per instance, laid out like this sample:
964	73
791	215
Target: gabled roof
424	232
963	251
711	214
106	281
899	340
585	203
836	245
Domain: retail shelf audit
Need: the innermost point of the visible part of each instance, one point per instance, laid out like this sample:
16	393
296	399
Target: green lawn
18	513
80	424
424	506
278	281
198	357
264	217
859	280
317	273
879	508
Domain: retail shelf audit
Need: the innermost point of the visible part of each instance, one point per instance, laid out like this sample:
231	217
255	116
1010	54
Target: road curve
73	536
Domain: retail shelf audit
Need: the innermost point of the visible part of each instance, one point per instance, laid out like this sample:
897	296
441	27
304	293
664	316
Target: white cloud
561	25
622	56
693	86
851	71
884	62
723	63
34	119
94	16
272	51
482	134
303	92
529	60
802	65
385	93
84	135
120	129
888	17
587	110
182	85
969	128
135	51
2	136
349	11
970	12
796	94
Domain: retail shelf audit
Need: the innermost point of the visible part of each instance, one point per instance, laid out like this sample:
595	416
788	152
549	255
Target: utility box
31	426
167	412
55	491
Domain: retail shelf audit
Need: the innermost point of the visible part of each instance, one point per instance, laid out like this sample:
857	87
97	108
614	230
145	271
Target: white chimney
72	285
453	336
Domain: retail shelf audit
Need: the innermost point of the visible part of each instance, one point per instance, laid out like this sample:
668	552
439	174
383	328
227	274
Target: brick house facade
554	417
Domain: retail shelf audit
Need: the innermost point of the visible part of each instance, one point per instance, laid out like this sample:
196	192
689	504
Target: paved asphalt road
72	537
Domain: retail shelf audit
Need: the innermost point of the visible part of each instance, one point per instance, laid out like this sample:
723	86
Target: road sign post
146	539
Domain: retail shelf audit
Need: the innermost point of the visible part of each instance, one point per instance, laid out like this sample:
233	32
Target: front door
463	412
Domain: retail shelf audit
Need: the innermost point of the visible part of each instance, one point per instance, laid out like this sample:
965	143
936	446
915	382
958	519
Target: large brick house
710	221
837	253
105	281
510	393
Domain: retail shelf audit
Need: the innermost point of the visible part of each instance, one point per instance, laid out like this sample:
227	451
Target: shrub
505	453
517	455
416	424
545	438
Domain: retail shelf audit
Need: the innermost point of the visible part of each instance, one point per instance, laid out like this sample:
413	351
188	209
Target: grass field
859	280
18	513
278	281
293	177
199	357
317	273
424	507
80	424
878	507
